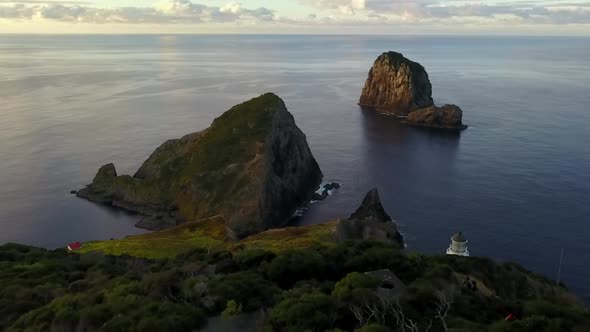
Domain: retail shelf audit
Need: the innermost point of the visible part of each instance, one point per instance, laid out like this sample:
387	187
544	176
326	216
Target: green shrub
247	259
247	288
292	266
311	311
232	308
374	328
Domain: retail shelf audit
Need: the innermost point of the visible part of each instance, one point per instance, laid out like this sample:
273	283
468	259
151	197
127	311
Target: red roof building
74	246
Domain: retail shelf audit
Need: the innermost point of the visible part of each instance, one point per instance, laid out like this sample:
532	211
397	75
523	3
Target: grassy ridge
277	240
211	234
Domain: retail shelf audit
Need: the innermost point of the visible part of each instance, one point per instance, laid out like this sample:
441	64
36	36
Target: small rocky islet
399	86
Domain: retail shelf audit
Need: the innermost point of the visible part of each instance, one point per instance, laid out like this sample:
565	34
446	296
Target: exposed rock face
446	117
252	166
370	222
105	172
396	85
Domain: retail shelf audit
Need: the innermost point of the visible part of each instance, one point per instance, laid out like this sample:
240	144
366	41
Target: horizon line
289	34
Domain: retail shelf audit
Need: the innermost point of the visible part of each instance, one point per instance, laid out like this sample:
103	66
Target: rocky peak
370	222
396	85
371	209
106	172
252	166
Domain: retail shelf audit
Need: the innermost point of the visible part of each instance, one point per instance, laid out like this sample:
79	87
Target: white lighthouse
458	245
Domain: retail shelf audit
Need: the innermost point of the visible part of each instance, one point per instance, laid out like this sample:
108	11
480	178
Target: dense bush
248	289
315	289
313	311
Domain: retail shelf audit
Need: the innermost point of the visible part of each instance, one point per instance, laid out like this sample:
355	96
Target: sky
382	17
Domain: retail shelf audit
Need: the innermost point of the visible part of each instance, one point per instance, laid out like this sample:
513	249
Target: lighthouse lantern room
458	245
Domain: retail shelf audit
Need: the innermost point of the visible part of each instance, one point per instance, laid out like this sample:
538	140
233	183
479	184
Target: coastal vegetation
210	234
318	288
349	274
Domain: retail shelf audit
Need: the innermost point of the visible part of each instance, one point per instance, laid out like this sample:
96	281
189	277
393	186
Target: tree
290	267
309	312
247	288
357	292
444	306
403	323
232	308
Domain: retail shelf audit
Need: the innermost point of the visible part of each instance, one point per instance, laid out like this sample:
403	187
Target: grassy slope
211	234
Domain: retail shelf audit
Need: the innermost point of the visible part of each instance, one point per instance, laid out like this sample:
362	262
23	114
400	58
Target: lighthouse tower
458	245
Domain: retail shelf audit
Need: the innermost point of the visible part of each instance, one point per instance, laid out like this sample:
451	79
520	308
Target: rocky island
399	86
252	166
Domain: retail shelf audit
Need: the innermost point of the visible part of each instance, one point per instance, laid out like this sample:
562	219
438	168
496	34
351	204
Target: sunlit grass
291	238
207	233
211	234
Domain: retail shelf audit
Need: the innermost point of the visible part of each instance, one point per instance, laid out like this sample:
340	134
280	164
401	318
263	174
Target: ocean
517	182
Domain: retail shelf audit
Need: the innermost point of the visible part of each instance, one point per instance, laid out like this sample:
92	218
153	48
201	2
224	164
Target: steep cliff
396	85
370	222
252	166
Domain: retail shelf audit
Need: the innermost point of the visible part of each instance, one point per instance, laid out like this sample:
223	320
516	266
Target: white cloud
345	7
329	13
547	12
168	12
232	7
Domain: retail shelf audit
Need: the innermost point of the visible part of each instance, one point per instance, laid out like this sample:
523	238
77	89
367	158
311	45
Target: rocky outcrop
446	117
396	85
323	192
399	86
252	166
370	222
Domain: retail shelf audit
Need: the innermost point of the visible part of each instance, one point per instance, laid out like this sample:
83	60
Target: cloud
168	12
46	2
547	12
345	7
325	12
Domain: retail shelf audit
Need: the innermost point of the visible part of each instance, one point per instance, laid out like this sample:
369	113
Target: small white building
458	245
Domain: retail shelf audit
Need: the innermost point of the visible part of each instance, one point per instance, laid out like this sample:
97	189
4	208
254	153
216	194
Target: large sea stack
396	85
370	222
399	86
252	166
